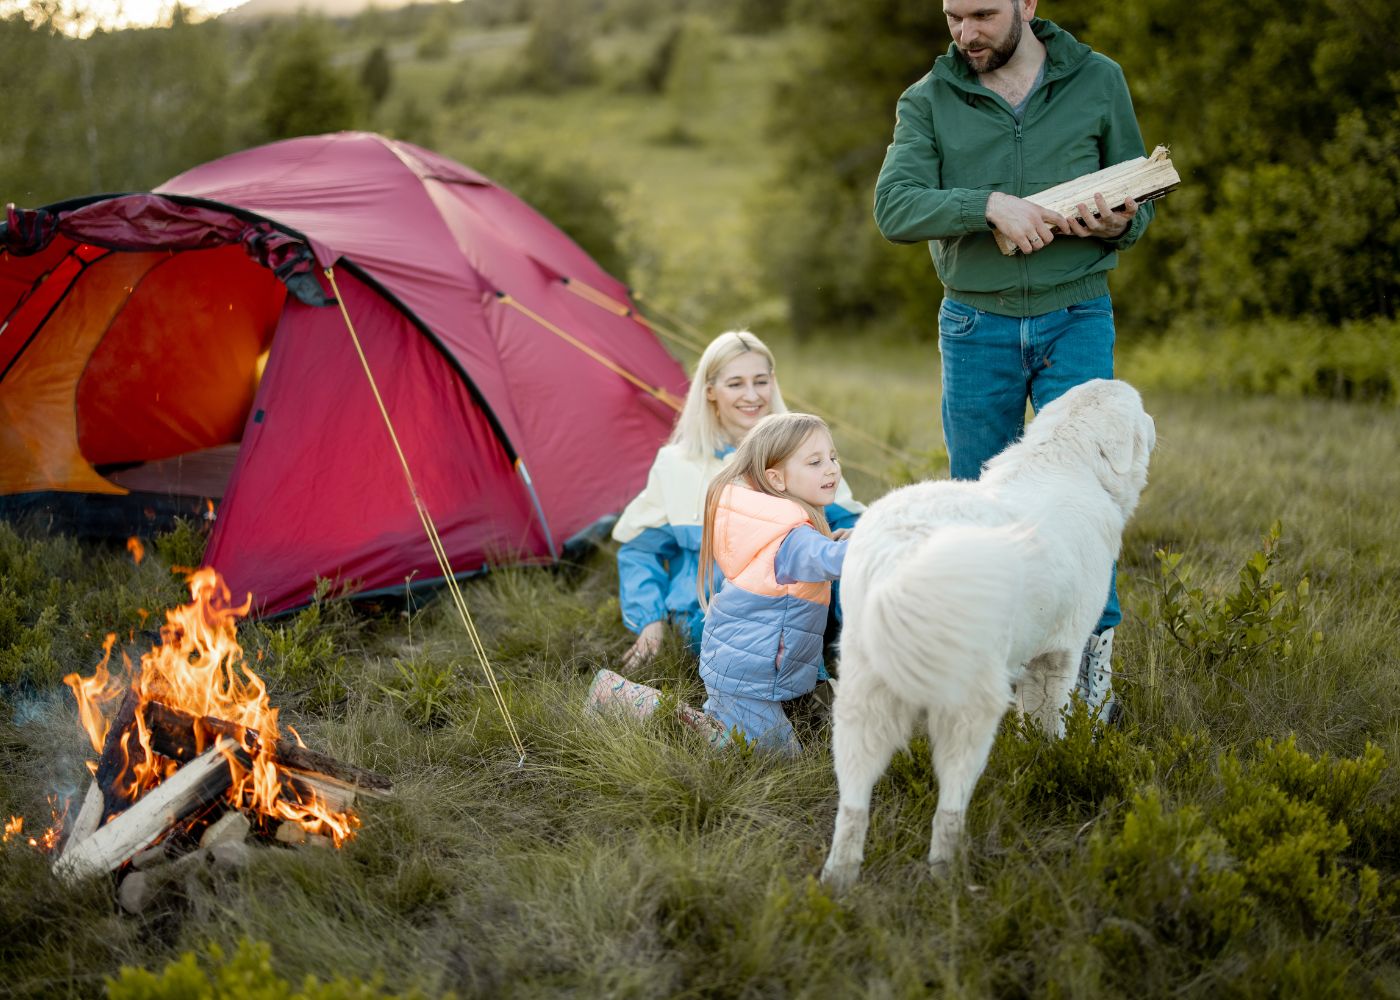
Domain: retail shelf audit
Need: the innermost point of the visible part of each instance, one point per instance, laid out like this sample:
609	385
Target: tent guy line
431	529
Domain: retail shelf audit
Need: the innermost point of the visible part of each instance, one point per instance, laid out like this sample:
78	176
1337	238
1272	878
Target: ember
191	734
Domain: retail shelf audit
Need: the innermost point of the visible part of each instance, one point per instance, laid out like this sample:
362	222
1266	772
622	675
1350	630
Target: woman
734	387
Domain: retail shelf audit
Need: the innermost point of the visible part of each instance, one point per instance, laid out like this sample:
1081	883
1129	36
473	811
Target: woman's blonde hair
697	429
772	442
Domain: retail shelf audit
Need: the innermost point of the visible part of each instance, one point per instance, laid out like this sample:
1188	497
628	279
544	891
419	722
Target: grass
629	860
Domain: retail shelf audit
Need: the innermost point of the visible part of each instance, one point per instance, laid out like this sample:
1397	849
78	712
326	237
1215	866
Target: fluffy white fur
954	592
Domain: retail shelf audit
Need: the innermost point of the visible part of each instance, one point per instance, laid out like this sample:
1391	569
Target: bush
558	55
1168	872
247	974
1260	617
1092	764
1289	358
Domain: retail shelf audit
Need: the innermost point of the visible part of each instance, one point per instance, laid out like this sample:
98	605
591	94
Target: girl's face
811	472
742	394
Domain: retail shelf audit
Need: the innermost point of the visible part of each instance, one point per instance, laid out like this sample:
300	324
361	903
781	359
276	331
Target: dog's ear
1118	451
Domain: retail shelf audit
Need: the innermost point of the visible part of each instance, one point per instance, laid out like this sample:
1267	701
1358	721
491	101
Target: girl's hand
840	534
648	642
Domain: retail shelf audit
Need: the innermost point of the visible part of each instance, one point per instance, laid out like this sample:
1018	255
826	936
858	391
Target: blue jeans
992	364
764	722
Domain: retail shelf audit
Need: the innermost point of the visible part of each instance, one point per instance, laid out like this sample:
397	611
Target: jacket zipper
1021	193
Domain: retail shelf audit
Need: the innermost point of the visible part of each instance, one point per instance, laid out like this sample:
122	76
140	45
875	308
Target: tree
1279	118
377	75
299	92
558	54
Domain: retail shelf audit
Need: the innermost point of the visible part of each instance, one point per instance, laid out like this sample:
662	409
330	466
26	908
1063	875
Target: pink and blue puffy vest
762	638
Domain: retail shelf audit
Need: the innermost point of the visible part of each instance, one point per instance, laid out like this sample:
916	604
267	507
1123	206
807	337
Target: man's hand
1108	224
1024	222
648	642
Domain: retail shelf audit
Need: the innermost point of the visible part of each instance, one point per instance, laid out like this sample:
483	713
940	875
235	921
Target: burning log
179	735
88	820
157	774
121	753
197	783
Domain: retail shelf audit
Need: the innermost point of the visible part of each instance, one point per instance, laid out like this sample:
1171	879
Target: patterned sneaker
1096	678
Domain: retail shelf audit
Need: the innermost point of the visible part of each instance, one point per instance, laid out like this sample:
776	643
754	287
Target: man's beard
999	55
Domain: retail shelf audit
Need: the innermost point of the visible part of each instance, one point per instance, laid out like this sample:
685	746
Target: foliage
1272	841
377	75
758	16
1170	873
247	974
832	113
1356	361
1289	201
1261	616
304	657
183	544
687	81
79	113
297	90
558	54
58	600
1092	765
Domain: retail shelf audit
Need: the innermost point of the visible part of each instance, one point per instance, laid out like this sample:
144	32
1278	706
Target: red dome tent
186	344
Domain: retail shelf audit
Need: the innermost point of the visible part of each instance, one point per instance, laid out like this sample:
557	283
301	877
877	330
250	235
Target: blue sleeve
839	517
808	556
642	576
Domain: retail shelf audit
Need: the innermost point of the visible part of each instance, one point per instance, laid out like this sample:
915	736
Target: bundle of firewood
1146	178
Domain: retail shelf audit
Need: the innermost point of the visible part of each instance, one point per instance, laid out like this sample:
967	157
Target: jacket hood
1063	54
746	522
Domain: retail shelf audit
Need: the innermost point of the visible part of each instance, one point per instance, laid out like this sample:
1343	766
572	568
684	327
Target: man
1016	105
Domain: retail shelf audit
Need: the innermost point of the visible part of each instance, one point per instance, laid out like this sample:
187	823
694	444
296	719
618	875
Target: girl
765	530
734	386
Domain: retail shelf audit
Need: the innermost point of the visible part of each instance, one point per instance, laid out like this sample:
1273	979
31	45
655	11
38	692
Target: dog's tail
939	624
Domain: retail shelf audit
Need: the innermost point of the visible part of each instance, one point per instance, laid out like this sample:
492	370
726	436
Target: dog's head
1102	426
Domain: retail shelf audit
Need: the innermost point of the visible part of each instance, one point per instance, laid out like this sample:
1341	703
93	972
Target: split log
196	783
180	736
1145	178
117	759
88	820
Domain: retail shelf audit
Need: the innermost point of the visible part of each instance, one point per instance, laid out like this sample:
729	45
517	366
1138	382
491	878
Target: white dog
954	592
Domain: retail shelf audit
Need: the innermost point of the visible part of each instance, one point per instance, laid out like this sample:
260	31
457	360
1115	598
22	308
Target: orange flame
199	669
14	827
137	550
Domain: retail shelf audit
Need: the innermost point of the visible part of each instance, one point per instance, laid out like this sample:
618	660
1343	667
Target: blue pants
762	721
992	364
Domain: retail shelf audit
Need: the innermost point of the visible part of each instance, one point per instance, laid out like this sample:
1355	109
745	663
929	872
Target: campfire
190	751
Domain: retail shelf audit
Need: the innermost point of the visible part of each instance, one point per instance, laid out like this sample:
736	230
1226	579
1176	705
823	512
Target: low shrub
1355	361
1261	616
245	975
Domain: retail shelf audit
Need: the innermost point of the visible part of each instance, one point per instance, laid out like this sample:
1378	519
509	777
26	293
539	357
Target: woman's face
742	394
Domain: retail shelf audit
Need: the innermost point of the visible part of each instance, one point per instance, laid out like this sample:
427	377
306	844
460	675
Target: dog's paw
840	878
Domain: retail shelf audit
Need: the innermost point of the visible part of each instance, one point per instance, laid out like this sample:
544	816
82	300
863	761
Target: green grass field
1236	835
630	860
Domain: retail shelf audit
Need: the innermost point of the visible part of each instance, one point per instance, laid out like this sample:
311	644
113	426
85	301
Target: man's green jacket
955	142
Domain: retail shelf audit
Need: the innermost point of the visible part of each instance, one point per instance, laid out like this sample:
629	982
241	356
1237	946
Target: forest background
1238	835
1283	118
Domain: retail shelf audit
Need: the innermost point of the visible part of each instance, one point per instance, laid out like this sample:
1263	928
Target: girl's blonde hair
697	429
772	442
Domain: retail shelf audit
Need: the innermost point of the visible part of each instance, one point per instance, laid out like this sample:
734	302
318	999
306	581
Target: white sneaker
1095	684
